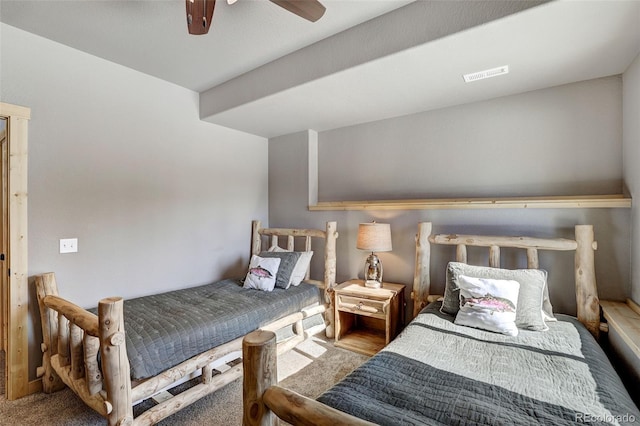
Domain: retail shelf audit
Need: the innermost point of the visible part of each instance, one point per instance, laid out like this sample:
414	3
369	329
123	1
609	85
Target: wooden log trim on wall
547	202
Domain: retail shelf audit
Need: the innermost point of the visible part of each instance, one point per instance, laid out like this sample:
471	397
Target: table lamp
373	237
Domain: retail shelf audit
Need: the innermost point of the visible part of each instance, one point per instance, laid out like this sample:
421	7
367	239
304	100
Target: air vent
480	75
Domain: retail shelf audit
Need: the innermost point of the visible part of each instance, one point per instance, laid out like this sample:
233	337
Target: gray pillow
529	313
300	270
288	261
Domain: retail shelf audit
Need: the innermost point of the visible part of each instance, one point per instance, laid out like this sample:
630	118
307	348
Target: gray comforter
439	373
166	329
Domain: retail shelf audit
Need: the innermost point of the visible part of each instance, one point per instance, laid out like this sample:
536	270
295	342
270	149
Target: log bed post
262	400
422	278
114	361
330	275
259	357
256	241
587	302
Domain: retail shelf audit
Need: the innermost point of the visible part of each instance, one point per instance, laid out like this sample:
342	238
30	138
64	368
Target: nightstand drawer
358	305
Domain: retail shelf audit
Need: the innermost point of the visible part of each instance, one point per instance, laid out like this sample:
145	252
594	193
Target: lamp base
372	284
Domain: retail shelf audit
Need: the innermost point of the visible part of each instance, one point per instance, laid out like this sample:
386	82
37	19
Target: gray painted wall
557	141
631	171
158	199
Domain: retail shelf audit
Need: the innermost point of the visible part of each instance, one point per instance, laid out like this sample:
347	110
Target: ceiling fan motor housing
199	15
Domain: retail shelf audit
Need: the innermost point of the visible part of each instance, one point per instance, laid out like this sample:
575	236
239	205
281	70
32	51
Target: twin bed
438	372
125	352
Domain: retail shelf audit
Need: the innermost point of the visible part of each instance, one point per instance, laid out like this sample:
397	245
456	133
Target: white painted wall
158	199
557	141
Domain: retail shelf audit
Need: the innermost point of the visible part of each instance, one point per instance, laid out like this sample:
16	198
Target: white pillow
302	265
262	273
488	304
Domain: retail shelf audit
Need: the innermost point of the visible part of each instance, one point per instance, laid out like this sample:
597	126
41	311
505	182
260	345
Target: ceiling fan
200	12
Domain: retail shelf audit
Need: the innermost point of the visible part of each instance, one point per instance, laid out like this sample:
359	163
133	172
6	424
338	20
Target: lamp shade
374	237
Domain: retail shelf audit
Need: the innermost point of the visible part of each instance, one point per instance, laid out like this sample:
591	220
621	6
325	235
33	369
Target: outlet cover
68	245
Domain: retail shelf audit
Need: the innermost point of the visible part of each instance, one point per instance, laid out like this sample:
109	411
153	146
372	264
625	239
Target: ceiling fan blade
311	10
199	15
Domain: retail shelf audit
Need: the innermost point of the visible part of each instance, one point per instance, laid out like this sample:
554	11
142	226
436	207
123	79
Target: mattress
166	329
440	373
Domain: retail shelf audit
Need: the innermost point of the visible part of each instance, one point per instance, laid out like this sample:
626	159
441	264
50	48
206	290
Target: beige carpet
310	369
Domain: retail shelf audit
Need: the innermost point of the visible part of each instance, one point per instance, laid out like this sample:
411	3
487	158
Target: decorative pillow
262	273
547	309
288	260
488	304
302	265
530	314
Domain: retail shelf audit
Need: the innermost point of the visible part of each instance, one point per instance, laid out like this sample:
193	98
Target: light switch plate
68	245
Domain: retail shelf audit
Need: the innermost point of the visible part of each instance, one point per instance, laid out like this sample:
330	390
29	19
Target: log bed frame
73	338
263	400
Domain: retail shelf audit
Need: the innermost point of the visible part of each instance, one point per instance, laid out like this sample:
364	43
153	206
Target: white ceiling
151	35
395	57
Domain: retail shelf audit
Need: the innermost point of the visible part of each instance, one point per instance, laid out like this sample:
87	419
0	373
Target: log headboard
329	235
584	245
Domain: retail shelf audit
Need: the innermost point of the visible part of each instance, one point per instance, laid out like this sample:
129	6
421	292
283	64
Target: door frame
17	292
4	227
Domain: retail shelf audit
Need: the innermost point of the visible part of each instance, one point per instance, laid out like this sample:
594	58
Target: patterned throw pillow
262	273
533	308
488	304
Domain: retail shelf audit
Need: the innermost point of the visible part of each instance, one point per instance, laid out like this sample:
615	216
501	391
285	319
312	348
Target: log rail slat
92	369
77	351
63	340
494	256
532	258
461	253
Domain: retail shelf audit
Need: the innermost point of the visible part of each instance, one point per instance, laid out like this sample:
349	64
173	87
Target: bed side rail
263	400
584	245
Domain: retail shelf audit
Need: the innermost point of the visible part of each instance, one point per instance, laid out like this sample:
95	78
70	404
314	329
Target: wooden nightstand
367	319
